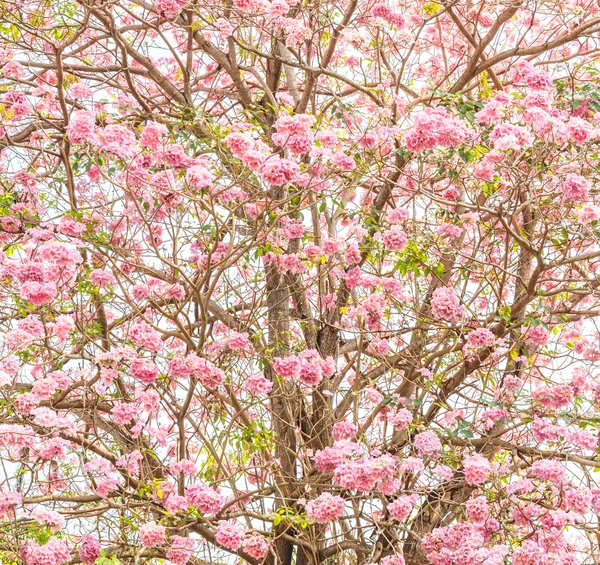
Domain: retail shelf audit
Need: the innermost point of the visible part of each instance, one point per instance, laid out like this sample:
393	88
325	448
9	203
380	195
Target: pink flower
169	8
80	90
588	214
579	130
144	335
102	278
81	128
123	413
477	509
117	139
325	508
344	430
395	239
294	133
401	508
63	326
508	136
578	500
144	370
199	177
181	550
537	335
185	466
446	305
152	534
288	367
548	470
175	503
256	546
153	134
89	550
38	293
575	187
53	552
208	500
427	444
208	373
50	518
229	535
10	224
279	171
8	501
401	420
481	337
435	128
477	469
257	384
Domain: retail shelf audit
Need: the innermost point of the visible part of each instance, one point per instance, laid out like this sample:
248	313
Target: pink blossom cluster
152	534
54	552
208	500
435	128
325	508
181	549
477	469
446	305
256	546
230	535
308	368
294	132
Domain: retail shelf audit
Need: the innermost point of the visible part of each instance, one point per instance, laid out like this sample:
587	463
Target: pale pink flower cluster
8	501
153	135
54	520
117	139
366	473
477	509
427	444
309	367
184	466
38	293
81	128
575	187
477	469
208	373
509	136
144	335
446	305
257	157
294	132
169	8
435	128
344	430
208	500
181	549
462	543
395	239
152	534
401	508
230	535
401	419
89	550
325	508
536	335
548	470
257	384
102	277
53	552
386	13
256	546
144	370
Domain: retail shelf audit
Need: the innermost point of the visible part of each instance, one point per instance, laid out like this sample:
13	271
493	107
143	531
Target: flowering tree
299	282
